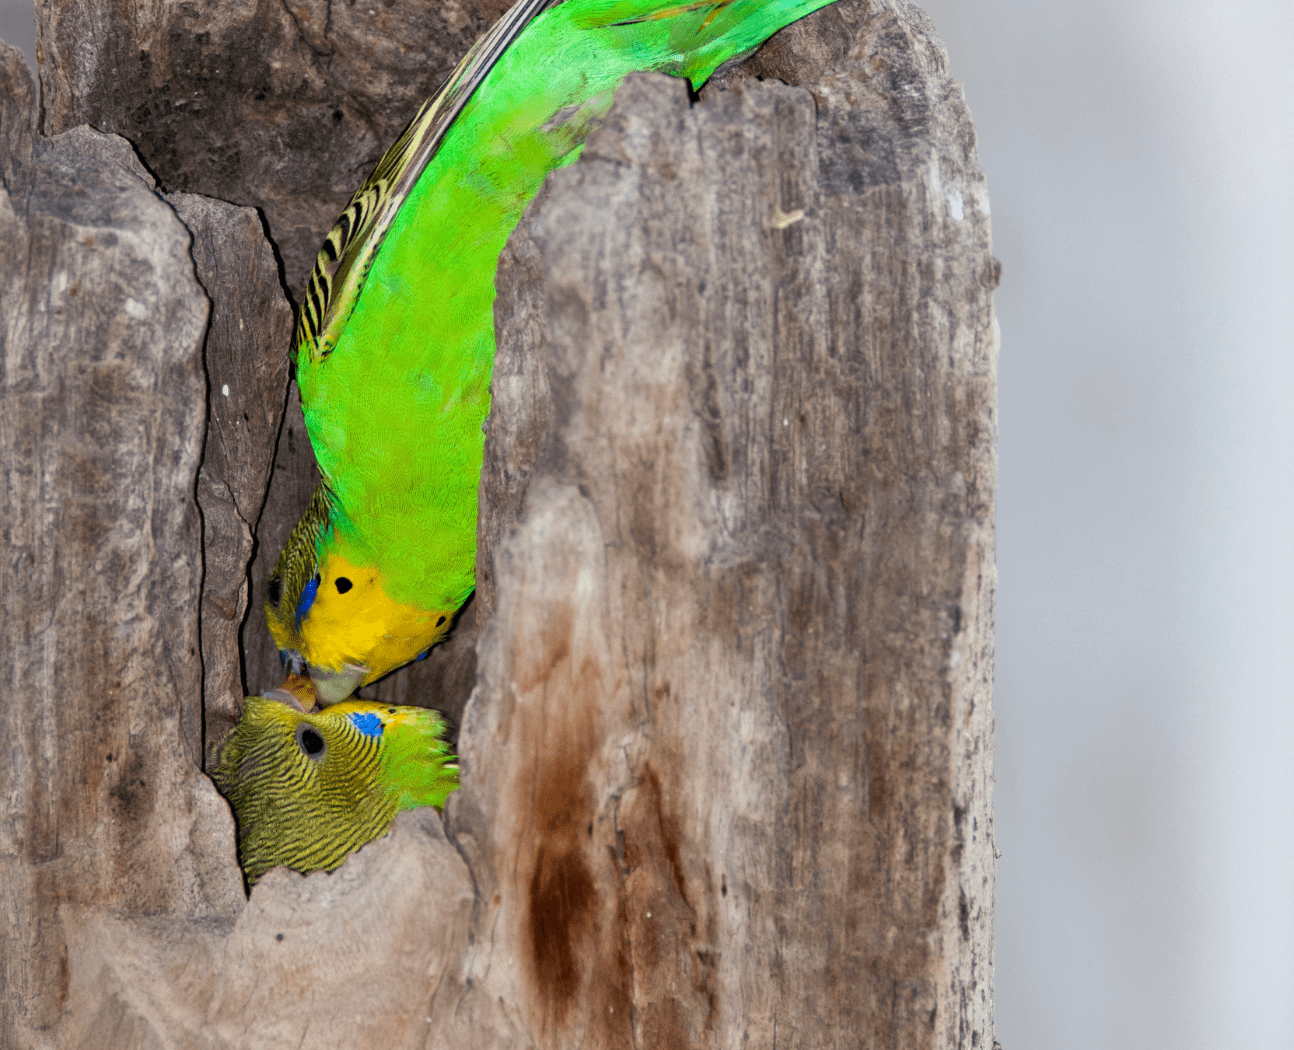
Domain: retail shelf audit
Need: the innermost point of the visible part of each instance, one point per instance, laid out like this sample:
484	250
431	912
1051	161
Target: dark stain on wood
563	899
561	895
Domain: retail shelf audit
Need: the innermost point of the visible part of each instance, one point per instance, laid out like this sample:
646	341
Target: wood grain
246	373
282	105
728	762
102	415
728	758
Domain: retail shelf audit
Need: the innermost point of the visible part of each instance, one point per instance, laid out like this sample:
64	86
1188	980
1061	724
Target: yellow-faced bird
394	344
308	788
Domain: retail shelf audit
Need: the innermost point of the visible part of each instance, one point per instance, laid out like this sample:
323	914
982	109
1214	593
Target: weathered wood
102	412
352	959
727	762
284	105
247	378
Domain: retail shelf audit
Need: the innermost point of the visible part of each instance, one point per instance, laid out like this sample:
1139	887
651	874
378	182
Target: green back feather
352	244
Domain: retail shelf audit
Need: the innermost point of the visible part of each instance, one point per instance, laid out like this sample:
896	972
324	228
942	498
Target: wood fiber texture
102	412
728	764
284	105
247	375
728	759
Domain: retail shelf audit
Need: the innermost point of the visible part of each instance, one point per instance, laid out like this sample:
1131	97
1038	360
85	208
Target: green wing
352	244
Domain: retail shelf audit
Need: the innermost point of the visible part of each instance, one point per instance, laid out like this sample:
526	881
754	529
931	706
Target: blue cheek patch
366	722
307	599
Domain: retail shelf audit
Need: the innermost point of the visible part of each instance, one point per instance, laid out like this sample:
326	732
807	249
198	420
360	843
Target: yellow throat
353	632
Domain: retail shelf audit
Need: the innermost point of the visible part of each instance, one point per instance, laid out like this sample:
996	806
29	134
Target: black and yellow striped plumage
353	243
309	788
297	565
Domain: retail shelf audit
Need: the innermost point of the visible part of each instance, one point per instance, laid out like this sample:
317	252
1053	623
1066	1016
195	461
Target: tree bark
284	105
727	760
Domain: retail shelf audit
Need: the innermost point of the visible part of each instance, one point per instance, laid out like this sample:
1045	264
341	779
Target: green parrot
394	343
308	788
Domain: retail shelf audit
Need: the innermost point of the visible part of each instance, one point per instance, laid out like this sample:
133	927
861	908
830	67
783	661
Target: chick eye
343	585
276	590
310	742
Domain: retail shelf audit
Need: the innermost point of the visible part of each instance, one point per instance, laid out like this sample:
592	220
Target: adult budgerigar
394	343
309	788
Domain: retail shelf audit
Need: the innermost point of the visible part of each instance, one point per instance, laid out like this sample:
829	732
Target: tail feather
701	34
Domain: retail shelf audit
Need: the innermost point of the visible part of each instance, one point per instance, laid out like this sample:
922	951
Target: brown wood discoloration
727	759
559	896
783	430
671	943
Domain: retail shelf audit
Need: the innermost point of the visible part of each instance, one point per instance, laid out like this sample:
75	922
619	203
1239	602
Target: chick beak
298	692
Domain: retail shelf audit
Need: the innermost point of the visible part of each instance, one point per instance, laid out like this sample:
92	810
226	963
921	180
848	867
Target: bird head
330	613
290	599
308	788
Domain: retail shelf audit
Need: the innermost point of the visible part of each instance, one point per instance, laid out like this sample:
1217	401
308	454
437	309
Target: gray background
1140	158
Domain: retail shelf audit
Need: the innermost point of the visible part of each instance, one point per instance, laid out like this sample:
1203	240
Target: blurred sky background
1140	162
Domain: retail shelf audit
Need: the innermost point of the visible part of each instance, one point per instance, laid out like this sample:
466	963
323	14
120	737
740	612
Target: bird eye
276	590
343	585
310	742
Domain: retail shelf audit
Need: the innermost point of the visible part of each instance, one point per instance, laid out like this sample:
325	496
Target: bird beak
297	692
333	687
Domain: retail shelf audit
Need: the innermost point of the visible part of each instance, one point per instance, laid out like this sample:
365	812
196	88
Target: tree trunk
727	760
